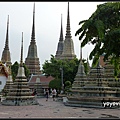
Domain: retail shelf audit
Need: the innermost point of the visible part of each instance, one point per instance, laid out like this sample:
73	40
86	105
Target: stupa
60	43
39	88
68	46
32	60
6	58
94	89
20	93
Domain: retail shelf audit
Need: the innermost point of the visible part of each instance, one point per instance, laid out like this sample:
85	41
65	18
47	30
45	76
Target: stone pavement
55	109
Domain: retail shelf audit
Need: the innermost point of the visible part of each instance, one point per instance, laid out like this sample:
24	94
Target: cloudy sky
47	26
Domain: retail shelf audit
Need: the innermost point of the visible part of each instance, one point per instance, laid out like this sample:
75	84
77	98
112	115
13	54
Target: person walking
47	94
44	92
54	94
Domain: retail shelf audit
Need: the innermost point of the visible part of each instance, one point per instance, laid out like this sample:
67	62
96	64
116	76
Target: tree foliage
68	86
70	68
27	71
102	29
14	69
53	66
67	83
56	83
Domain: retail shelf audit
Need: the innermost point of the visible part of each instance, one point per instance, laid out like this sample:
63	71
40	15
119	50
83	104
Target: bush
67	83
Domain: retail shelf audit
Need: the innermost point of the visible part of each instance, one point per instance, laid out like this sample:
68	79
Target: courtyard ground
55	109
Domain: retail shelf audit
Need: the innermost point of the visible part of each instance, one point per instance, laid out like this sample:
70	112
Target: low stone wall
19	102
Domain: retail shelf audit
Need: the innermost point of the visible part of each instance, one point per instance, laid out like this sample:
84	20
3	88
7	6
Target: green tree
68	86
86	67
53	66
27	71
102	30
14	69
70	68
56	83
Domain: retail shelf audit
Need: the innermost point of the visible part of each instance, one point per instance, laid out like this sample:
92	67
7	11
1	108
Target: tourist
54	94
44	92
47	94
34	92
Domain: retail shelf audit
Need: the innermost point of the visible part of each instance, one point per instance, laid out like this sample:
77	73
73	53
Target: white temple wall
3	80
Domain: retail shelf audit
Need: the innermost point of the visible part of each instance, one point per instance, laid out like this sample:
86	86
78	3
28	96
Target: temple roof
43	78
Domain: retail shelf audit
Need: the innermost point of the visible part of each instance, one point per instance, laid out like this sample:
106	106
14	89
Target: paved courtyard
55	109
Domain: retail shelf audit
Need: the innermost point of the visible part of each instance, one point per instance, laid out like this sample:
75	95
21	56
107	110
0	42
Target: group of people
53	92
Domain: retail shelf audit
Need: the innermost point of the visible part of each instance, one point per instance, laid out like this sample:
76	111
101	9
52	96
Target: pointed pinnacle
33	27
6	43
68	34
61	32
21	61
